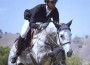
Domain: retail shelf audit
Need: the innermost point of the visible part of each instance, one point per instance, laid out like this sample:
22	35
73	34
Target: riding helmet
50	0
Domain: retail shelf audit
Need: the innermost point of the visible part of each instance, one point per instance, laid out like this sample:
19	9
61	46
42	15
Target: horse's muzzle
69	53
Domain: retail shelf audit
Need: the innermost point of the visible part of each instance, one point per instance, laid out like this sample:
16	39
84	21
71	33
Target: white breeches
25	29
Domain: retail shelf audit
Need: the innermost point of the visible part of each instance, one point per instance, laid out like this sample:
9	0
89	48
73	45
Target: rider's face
51	4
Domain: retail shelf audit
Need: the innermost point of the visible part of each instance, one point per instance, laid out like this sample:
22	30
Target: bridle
59	37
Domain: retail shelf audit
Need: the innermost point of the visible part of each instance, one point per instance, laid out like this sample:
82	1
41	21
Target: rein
32	32
50	38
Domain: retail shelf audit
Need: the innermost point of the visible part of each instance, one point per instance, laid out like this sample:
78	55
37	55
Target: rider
40	13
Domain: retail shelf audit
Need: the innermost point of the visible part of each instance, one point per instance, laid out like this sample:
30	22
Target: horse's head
64	37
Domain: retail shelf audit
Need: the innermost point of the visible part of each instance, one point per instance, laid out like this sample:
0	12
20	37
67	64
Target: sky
12	14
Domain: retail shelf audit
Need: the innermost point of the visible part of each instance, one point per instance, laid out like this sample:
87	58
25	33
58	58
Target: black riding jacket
38	14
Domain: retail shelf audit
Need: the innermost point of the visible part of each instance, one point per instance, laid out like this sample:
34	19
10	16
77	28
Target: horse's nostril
69	54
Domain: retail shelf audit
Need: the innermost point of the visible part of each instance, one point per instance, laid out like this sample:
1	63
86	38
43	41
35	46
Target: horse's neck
51	32
51	38
41	35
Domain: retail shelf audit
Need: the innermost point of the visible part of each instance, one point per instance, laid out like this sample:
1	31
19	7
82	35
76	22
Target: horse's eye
61	36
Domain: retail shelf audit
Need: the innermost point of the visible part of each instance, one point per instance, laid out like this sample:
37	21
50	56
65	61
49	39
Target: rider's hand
40	27
43	26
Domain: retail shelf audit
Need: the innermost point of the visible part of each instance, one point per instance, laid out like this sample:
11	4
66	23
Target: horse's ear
69	23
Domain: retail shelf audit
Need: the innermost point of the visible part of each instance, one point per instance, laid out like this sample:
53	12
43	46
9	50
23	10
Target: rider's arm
34	17
56	15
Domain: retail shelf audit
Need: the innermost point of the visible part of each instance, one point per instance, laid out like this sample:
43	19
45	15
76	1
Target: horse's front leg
62	62
20	64
11	54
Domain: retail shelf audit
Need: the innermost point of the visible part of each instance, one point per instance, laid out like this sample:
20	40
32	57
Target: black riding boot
19	46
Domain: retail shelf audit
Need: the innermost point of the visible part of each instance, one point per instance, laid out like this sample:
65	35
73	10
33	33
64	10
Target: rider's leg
20	41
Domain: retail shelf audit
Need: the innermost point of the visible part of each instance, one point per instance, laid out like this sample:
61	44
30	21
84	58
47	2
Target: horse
47	46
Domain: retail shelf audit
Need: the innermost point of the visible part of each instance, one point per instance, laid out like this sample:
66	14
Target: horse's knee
63	62
20	64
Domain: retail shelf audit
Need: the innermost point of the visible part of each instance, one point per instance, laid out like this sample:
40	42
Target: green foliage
88	64
74	60
4	52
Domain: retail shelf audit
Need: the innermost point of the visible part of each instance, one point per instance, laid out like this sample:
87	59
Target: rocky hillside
7	40
81	46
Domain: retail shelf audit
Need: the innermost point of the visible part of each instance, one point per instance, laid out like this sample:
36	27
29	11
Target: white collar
47	11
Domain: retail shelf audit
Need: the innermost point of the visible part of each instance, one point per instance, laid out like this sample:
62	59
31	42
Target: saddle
32	33
29	38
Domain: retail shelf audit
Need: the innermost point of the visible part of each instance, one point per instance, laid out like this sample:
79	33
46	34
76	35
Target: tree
1	31
86	36
6	33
